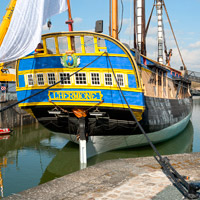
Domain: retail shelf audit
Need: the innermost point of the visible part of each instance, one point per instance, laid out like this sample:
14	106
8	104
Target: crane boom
6	20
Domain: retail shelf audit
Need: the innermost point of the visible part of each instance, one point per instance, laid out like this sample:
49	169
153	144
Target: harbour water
33	155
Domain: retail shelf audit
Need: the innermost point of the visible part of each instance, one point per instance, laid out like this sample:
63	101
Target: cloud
77	20
154	19
152	31
126	21
129	30
190	52
195	45
126	41
45	28
190	57
90	30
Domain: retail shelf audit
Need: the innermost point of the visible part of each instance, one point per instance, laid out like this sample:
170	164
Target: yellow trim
81	87
142	108
43	55
82	44
71	70
45	46
96	45
56	44
126	51
28	110
69	43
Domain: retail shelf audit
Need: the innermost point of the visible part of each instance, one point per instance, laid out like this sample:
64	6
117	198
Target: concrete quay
122	179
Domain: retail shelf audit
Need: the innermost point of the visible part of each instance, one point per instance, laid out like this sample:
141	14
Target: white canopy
24	32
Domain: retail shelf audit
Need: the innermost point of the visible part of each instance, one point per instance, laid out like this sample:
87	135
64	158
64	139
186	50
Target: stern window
62	44
51	78
65	76
77	40
89	44
95	78
120	79
51	48
30	80
81	79
40	79
101	44
108	78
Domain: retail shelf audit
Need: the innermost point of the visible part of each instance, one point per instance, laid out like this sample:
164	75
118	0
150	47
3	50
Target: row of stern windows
82	44
81	78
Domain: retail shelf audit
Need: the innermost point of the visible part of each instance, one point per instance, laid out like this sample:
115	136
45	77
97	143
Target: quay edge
133	178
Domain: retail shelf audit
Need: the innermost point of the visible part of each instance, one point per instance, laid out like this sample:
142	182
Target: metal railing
194	76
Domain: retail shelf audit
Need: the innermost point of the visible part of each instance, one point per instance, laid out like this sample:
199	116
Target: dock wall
13	116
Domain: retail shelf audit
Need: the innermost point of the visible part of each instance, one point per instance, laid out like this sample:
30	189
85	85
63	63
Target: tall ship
86	84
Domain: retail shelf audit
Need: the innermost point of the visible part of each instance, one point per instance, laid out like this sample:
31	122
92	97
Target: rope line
122	14
16	103
188	190
185	68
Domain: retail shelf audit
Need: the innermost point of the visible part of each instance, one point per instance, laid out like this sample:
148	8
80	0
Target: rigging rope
185	68
165	44
147	27
121	17
189	190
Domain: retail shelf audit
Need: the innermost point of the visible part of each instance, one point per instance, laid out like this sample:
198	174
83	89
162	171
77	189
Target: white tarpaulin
24	32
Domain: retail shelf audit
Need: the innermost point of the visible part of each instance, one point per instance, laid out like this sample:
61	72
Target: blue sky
184	15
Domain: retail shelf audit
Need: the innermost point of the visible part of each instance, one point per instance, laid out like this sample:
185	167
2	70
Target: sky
184	16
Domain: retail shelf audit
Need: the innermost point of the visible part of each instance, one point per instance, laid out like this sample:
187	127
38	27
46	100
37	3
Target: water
33	155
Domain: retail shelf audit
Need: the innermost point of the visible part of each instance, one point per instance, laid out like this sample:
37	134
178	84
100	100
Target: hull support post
82	143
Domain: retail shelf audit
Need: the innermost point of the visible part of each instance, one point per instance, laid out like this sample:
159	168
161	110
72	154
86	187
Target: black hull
162	113
159	114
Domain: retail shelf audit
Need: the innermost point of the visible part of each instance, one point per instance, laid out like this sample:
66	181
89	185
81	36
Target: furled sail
24	32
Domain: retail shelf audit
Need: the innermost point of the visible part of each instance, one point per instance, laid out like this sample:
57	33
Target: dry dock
122	179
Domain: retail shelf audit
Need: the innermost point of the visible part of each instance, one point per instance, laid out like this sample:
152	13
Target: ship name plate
75	95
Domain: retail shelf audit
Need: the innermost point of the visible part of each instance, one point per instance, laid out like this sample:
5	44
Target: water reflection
33	155
27	153
29	136
67	160
3	163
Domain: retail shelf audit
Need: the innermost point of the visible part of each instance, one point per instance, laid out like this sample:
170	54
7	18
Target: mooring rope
189	190
16	103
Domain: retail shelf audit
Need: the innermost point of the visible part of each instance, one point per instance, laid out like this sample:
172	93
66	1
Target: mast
70	24
70	20
159	4
6	20
115	19
139	26
110	9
